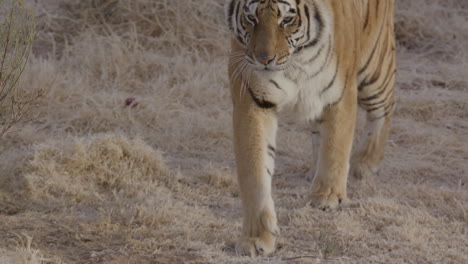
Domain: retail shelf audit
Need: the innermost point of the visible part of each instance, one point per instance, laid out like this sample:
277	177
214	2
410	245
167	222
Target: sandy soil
131	159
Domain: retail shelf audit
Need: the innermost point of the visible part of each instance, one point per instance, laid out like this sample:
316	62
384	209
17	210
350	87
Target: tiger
322	59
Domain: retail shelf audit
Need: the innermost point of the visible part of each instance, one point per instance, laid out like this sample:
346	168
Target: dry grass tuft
25	254
86	169
131	160
156	23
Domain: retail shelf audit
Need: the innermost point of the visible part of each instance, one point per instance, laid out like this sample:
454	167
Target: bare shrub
16	38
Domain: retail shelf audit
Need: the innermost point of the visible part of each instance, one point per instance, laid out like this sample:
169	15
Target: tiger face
271	31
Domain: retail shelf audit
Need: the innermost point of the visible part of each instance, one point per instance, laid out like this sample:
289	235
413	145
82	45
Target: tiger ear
229	12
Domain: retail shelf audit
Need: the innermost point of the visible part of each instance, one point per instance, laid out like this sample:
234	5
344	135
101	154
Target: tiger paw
256	246
259	235
362	170
328	202
328	197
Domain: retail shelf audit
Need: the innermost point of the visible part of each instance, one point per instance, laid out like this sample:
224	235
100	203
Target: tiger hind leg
366	160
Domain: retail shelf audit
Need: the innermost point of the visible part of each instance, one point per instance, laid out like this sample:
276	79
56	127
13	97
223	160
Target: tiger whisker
247	84
245	81
241	72
237	71
235	61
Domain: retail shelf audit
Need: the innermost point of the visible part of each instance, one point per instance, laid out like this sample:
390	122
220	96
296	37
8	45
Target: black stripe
236	14
270	147
260	102
319	20
297	29
363	69
281	58
275	84
377	74
250	58
299	23
320	26
237	17
372	81
387	97
333	80
307	14
230	14
375	45
269	173
316	55
388	110
243	24
366	22
381	89
379	107
384	102
342	93
271	151
326	62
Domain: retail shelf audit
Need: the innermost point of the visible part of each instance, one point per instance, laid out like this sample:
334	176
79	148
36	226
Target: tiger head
271	31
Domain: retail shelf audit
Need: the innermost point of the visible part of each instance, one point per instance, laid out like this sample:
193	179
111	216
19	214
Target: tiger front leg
254	144
329	183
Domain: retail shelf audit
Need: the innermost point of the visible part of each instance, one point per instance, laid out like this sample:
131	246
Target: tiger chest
309	87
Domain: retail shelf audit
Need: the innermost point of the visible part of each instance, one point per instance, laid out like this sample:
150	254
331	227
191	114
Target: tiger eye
288	20
251	18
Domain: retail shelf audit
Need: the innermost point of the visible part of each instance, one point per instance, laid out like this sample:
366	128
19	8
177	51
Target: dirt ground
131	158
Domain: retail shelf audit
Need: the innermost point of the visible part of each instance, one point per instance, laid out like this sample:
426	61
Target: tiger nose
264	58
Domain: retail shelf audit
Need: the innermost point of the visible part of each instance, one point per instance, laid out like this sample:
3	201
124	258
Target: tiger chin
324	58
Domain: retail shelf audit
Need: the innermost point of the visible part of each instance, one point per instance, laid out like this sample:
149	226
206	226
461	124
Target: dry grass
98	181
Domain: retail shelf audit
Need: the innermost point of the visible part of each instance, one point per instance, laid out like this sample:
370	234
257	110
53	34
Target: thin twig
299	257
